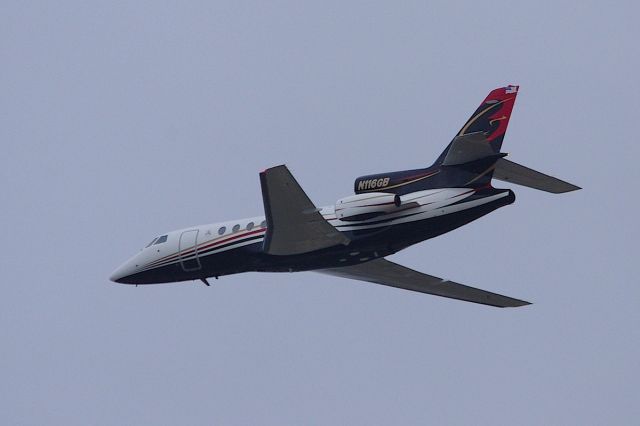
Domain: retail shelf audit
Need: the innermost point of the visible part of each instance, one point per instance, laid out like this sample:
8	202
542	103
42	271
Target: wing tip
517	304
279	166
566	187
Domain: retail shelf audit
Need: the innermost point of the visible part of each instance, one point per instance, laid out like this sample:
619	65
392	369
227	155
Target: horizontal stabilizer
294	224
468	148
508	171
382	271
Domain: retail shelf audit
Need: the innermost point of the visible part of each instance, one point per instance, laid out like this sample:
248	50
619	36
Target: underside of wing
382	271
294	224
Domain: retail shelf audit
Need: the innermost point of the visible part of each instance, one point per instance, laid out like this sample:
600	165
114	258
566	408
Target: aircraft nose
120	275
117	276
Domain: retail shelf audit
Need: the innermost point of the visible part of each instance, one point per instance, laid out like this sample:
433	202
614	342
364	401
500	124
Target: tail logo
504	117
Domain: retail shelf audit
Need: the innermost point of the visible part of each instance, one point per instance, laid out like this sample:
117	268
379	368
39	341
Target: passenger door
188	251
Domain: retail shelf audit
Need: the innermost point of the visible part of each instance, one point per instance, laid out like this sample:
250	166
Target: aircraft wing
294	224
382	271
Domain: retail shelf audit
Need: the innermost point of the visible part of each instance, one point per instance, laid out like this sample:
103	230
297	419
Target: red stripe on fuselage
205	245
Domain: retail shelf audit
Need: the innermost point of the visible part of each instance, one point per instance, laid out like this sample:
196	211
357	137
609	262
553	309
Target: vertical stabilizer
490	119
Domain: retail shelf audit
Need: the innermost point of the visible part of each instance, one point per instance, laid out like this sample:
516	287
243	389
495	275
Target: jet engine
367	206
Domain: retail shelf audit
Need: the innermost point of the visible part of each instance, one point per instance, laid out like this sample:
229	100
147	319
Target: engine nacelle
367	206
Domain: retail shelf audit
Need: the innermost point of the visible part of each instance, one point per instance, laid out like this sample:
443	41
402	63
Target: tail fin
489	121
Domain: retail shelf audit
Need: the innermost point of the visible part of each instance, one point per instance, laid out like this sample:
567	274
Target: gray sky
120	121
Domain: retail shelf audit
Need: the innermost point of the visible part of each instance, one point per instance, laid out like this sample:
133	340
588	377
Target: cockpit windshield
157	240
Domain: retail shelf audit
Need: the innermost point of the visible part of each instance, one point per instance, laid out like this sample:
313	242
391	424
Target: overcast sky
123	120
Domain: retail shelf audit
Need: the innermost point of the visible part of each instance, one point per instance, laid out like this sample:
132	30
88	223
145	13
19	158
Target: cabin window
222	230
236	228
161	240
263	224
249	226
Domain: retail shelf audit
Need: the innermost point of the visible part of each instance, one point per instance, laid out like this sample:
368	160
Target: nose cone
121	274
116	276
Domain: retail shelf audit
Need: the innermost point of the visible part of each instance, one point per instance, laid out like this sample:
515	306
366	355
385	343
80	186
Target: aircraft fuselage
232	247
